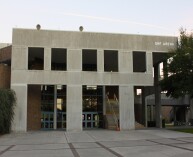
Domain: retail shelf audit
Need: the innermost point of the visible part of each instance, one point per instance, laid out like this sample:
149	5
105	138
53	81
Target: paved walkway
98	143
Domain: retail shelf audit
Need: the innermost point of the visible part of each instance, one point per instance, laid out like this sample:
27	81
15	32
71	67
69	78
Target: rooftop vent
81	28
38	27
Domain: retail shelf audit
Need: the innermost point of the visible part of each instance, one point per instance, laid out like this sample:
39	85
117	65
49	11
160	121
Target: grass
187	130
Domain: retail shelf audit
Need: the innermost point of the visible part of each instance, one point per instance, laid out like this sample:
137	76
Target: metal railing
111	107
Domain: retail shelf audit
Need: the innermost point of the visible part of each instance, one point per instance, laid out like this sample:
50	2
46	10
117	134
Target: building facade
65	79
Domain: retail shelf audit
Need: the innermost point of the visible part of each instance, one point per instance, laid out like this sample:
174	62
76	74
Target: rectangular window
139	61
110	61
89	60
58	61
35	58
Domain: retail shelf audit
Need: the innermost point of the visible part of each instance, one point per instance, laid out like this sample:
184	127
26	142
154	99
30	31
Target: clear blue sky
154	17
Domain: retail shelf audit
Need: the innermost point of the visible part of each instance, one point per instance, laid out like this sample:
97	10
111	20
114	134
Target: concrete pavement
97	143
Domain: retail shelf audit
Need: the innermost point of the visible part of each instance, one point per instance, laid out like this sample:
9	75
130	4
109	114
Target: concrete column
157	97
19	59
149	62
74	108
126	107
125	62
74	60
20	117
143	107
100	60
47	58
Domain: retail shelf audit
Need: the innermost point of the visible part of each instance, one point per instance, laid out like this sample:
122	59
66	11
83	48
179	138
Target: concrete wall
79	40
74	77
20	116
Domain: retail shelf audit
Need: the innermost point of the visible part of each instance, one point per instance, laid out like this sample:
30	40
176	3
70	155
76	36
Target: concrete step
111	122
112	127
138	125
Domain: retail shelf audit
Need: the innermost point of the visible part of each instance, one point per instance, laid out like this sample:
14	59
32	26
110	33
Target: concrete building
84	80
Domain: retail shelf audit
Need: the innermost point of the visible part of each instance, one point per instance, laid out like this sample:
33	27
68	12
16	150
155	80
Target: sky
151	17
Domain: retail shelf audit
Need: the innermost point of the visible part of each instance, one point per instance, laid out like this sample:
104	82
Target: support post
20	117
157	97
126	108
143	107
74	108
55	107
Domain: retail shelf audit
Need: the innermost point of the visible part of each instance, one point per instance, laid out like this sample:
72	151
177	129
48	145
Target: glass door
92	107
53	107
47	107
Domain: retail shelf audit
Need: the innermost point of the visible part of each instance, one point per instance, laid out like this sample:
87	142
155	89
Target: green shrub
7	103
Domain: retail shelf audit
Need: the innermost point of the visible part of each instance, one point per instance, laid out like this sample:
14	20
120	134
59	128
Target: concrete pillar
74	60
20	117
149	62
100	60
126	108
47	58
19	59
143	107
157	97
125	61
74	108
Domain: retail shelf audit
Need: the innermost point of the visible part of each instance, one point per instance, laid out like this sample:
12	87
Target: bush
7	103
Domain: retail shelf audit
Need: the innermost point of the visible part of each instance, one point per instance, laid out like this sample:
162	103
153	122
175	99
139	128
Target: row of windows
89	60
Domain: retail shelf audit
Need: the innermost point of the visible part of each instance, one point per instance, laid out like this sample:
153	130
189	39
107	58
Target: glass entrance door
92	107
61	107
53	107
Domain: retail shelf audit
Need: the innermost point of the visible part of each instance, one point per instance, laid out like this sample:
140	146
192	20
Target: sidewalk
98	143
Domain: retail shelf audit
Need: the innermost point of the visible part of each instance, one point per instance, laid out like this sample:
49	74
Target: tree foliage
179	81
7	102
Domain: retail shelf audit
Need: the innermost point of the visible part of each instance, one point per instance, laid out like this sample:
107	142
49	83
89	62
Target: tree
7	102
179	81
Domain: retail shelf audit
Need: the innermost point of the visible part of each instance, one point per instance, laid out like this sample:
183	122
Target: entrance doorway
53	107
92	107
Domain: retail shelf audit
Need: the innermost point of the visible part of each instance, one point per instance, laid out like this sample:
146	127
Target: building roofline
109	33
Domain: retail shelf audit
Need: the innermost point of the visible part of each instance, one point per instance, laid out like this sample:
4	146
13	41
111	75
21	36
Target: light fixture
59	87
91	87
